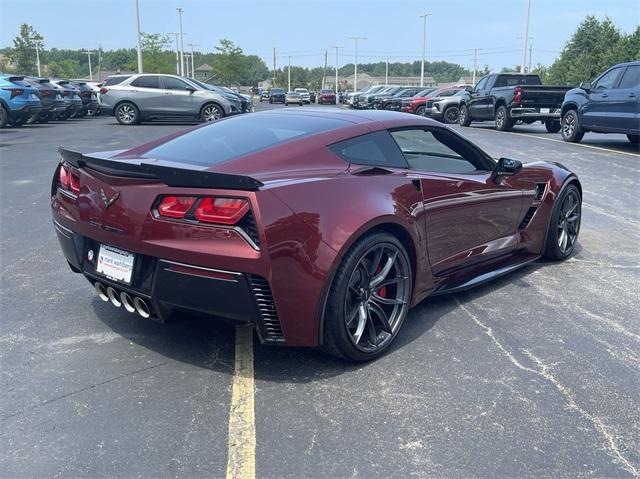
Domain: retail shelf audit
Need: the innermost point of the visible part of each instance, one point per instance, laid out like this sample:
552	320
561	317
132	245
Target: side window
171	83
115	80
608	80
631	77
437	151
481	84
374	149
147	81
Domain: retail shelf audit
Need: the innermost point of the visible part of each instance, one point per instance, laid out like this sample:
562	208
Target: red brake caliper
382	291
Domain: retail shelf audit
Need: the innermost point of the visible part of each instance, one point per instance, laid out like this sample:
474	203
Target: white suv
304	93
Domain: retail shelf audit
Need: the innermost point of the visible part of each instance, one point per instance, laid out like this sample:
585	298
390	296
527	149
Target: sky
303	30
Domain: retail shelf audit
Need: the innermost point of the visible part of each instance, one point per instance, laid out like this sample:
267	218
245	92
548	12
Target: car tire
635	139
420	110
127	114
211	112
463	116
361	317
451	115
18	122
270	100
564	225
286	104
503	122
4	117
44	119
552	126
571	129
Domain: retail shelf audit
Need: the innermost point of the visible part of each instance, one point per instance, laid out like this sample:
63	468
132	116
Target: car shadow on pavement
210	343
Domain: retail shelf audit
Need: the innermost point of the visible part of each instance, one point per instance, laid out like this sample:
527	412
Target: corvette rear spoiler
173	175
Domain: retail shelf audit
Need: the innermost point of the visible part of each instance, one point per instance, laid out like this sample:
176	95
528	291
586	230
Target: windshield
277	90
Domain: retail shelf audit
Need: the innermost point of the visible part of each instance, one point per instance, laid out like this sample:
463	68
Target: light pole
89	52
179	10
193	66
475	65
177	51
37	43
289	75
139	46
355	70
523	60
424	45
386	72
337	47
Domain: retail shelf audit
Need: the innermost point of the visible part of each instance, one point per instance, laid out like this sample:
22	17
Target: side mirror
190	89
586	86
468	88
506	167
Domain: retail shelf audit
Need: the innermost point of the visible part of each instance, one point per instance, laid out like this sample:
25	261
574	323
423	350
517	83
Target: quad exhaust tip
131	304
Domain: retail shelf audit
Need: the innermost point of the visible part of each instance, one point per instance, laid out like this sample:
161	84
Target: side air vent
527	218
268	322
540	189
248	225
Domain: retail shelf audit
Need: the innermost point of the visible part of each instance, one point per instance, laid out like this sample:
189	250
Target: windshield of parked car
327	92
277	90
240	135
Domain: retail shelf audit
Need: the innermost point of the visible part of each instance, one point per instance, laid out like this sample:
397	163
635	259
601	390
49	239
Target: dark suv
276	95
609	104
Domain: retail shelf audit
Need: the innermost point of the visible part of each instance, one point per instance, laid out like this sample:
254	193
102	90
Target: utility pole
337	47
139	46
324	72
355	70
274	67
424	45
37	43
89	52
386	73
530	51
177	51
99	62
475	65
193	67
289	75
523	61
179	10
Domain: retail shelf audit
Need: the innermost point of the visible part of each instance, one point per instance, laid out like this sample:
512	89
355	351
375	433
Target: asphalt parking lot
534	375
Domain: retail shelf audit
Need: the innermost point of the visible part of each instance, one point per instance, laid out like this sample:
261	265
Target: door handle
604	95
632	95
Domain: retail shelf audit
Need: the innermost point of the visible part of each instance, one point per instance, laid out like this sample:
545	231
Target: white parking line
241	461
635	155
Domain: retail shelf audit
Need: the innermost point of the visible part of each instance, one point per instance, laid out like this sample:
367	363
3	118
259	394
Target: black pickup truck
511	97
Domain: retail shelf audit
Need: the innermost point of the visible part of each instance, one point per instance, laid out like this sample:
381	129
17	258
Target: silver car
153	96
445	106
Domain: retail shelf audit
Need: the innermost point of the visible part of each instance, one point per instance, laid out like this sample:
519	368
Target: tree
24	49
228	62
155	59
64	69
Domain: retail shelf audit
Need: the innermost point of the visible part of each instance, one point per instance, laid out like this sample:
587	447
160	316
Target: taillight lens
225	211
68	180
66	92
46	92
175	206
517	95
103	90
15	91
208	209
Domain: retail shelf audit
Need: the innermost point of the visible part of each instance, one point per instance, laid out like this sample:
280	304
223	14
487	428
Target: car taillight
103	90
68	180
208	209
15	92
66	92
225	211
176	206
517	95
46	92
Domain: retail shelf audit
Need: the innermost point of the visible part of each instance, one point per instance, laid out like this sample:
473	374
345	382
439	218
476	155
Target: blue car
609	104
18	101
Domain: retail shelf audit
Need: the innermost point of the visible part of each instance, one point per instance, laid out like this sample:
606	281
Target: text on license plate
115	264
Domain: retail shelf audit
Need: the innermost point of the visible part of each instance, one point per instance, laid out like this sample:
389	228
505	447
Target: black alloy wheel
571	130
463	116
565	224
451	115
369	298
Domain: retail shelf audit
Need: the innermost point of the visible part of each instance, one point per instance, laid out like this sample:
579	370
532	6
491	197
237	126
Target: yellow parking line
635	155
241	461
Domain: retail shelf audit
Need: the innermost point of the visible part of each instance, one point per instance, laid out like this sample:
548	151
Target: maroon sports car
321	228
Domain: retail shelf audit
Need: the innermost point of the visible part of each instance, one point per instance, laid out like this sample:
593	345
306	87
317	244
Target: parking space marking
635	155
241	461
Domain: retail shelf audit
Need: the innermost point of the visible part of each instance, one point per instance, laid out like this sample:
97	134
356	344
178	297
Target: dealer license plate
115	264
545	110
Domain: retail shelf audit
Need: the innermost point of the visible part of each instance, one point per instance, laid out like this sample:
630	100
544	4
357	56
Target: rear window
329	92
115	80
238	136
513	80
277	90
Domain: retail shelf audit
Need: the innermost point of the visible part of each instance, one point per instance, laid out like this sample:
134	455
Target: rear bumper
25	112
172	289
535	113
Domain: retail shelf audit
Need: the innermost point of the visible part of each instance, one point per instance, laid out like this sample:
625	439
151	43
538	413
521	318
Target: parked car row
609	104
25	99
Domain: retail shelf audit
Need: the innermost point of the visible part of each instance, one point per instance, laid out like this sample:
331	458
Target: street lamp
138	32
38	45
289	75
424	45
337	47
89	52
193	66
355	70
179	10
526	38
